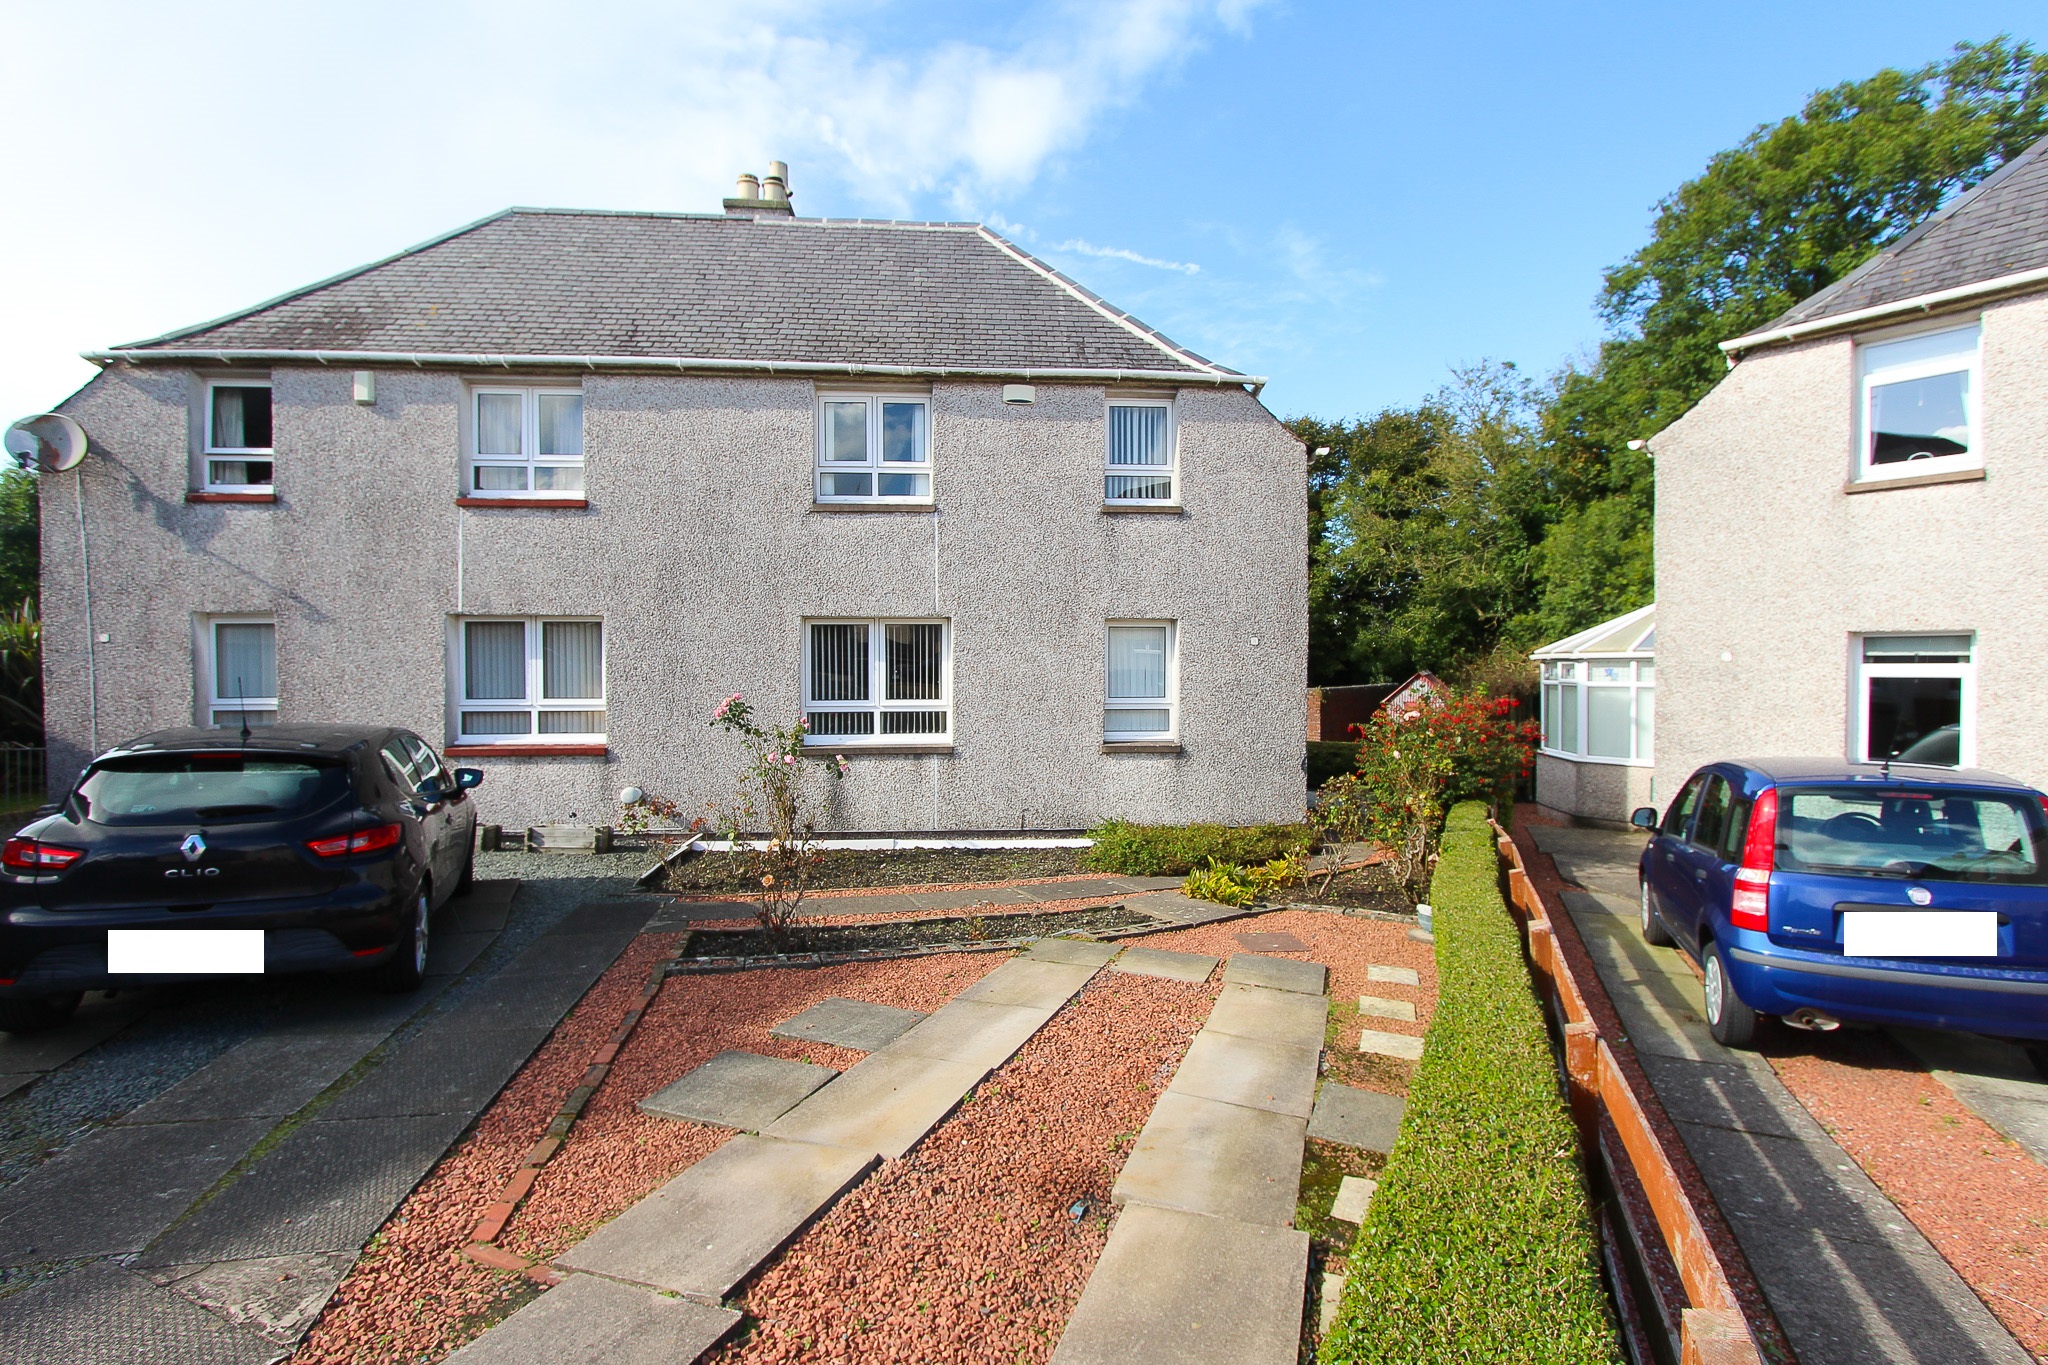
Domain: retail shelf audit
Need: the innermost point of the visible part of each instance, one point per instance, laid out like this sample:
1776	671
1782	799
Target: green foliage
21	676
1329	757
20	537
1176	850
1595	563
1479	1245
1229	884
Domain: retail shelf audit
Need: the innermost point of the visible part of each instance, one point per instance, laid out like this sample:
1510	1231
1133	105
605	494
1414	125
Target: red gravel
1979	1197
967	1249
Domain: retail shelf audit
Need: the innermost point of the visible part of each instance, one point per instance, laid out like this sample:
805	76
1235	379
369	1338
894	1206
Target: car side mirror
468	779
1645	817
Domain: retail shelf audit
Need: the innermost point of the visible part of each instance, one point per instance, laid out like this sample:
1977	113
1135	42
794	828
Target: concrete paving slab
537	1002
1072	951
1379	1007
589	1321
1023	981
1595	903
972	1033
1993	1078
1400	976
575	957
270	1075
439	1072
1276	973
1744	1096
117	1188
1182	910
450	953
278	1296
327	1187
13	1081
1352	1117
1275	1076
96	1020
855	1024
1176	1288
706	1230
1287	1017
100	1314
1597	859
1329	1302
1404	1046
623	918
738	1090
472	917
883	1104
1354	1197
1205	1156
1259	941
1195	967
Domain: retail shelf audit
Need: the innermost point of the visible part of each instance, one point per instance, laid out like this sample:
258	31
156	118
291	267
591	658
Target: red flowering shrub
1412	768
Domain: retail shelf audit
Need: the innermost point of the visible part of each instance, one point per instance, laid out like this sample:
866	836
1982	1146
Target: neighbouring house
1332	711
551	486
1847	522
1599	708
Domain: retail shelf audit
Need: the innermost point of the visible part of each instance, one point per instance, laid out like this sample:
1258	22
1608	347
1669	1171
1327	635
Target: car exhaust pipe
1813	1021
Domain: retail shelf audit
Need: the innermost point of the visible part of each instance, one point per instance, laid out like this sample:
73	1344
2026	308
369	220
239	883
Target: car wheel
1654	932
407	965
39	1014
1732	1023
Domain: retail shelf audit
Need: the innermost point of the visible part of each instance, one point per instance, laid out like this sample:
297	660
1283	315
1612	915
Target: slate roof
1998	228
552	282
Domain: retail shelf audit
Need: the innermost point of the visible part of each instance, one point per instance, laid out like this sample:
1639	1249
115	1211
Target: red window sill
522	502
527	750
231	497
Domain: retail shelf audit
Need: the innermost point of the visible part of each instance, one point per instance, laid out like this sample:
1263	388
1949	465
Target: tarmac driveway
186	1174
1850	1277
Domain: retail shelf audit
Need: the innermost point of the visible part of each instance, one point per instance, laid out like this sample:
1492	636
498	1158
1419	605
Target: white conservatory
1599	719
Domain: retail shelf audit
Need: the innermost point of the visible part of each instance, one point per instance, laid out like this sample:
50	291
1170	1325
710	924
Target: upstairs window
1916	699
531	677
240	667
238	449
877	682
1140	701
874	448
526	441
1140	452
1919	405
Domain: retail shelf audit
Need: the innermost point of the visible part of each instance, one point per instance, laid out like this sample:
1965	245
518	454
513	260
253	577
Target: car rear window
162	789
1927	835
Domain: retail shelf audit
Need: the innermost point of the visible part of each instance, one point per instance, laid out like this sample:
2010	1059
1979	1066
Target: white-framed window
239	454
522	679
238	670
1139	451
874	447
1601	709
1918	405
525	441
878	682
1916	699
1139	700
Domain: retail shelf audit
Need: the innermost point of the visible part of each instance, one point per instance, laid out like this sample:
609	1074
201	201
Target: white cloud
167	168
1117	253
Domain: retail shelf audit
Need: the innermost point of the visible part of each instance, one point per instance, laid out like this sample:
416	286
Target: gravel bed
976	1245
891	868
1978	1196
413	1296
888	931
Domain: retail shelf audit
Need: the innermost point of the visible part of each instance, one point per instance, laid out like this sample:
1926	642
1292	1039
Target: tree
20	538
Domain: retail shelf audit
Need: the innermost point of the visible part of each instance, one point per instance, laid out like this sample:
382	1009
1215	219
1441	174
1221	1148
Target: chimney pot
749	187
775	185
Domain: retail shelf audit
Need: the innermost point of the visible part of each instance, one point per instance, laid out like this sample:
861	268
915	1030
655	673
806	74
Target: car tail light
1750	907
362	841
33	855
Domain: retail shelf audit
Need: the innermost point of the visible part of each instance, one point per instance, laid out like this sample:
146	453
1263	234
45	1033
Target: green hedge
1480	1244
1329	757
1176	850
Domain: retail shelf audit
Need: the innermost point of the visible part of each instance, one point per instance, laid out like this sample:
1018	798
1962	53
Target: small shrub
1479	1245
1329	757
1224	883
1176	850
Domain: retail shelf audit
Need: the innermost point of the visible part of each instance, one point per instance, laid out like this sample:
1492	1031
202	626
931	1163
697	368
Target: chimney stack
767	197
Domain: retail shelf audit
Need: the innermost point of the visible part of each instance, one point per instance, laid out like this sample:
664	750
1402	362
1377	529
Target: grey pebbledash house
1848	525
549	487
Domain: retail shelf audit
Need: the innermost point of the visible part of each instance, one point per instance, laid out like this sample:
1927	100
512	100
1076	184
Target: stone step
590	1321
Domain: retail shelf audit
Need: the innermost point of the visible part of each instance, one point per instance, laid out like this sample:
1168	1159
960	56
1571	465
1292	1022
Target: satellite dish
50	441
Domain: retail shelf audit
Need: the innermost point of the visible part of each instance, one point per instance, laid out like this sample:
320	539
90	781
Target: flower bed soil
976	1245
1978	1196
902	867
887	932
1362	888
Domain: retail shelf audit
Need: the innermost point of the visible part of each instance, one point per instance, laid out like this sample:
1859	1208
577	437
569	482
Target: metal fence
21	777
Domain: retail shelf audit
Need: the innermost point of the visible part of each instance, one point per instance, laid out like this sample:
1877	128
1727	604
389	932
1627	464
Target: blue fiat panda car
1825	893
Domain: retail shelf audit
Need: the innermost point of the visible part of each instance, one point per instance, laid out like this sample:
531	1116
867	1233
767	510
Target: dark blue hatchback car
1825	893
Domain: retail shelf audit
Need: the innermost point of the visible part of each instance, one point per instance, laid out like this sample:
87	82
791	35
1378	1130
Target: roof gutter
450	359
1919	303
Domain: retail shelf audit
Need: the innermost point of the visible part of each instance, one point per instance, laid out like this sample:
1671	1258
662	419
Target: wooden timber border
1671	1285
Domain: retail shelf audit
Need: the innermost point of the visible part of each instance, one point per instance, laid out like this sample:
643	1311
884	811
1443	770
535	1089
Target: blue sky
1351	199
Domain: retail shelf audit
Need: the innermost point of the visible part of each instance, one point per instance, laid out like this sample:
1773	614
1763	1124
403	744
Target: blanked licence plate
207	951
1919	933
